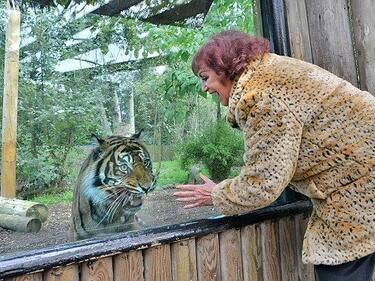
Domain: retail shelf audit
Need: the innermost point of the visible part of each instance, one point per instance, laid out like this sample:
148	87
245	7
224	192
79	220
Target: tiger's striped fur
110	186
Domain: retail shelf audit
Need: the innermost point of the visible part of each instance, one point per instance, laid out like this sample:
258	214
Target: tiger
110	187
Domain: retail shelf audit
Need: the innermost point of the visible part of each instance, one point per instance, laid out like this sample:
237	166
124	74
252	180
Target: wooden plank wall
269	251
364	40
338	35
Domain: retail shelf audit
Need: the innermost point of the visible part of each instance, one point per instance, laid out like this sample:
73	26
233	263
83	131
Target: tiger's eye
124	168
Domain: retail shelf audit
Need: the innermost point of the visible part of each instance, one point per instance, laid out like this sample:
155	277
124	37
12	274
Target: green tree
59	111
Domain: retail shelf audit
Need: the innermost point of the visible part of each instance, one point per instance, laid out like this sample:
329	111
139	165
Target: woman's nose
204	87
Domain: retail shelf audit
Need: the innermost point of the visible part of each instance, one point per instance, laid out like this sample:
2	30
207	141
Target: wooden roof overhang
160	12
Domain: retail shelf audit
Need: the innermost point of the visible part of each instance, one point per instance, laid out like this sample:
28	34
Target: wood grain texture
62	273
305	271
299	34
208	258
288	249
27	277
251	252
157	262
330	37
184	261
364	37
97	270
128	266
10	97
230	255
257	18
270	251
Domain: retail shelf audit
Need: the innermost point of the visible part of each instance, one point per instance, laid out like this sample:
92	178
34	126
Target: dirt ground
159	208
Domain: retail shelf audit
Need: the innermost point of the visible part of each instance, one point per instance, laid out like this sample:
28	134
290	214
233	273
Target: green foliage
45	172
170	173
219	148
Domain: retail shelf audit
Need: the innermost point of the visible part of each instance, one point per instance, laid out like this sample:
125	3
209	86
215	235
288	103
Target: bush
219	148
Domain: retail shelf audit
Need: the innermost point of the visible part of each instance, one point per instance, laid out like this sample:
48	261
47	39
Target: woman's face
212	83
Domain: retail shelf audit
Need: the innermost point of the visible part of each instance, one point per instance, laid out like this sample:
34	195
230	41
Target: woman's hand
195	195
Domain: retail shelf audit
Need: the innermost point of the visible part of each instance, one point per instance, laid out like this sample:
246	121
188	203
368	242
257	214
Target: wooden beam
270	251
157	263
184	260
20	224
128	266
62	273
100	269
180	13
364	39
208	258
330	37
120	66
257	18
230	255
251	252
23	208
299	34
115	7
9	130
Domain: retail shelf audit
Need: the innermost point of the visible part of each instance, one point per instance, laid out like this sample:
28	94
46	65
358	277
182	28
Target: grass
170	173
52	199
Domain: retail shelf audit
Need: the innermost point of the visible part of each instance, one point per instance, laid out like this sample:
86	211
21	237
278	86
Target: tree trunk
104	120
116	113
128	118
157	134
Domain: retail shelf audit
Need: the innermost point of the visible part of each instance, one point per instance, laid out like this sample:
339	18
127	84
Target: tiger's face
119	176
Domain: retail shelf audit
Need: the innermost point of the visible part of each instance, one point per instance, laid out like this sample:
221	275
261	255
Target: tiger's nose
146	187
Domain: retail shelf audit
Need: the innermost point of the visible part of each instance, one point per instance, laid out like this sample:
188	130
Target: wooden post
128	266
230	255
8	158
208	258
62	273
184	260
257	18
97	270
157	263
251	252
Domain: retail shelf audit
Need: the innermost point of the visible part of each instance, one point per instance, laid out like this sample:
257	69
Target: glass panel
82	73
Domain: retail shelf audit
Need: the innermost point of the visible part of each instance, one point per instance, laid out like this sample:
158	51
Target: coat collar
237	89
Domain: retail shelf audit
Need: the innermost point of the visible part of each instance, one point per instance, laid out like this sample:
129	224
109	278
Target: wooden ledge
90	249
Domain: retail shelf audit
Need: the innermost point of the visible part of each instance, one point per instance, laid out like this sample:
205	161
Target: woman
304	126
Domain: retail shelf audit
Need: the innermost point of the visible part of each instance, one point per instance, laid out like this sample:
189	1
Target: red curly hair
228	53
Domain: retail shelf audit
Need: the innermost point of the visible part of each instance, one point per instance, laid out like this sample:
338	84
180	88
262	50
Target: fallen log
23	208
20	224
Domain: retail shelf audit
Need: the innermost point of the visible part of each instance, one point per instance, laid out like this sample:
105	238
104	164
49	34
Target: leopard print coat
305	126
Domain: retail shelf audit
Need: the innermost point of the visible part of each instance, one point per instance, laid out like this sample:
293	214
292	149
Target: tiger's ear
98	142
137	135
